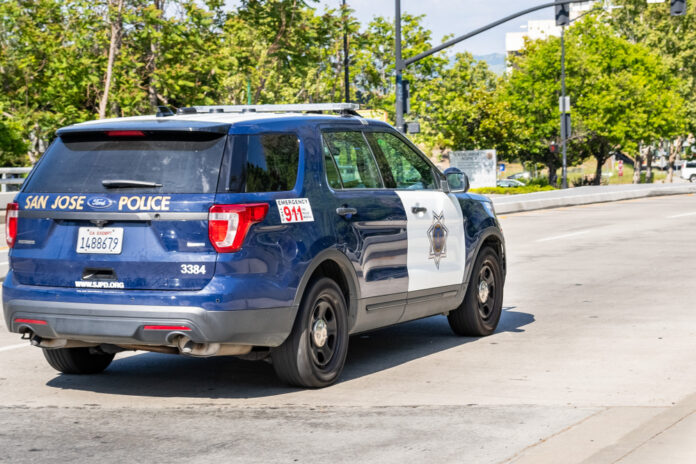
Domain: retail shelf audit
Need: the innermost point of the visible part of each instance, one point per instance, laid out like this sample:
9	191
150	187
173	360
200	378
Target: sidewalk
505	204
622	435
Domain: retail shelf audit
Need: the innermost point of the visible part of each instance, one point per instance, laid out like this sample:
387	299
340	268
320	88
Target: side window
408	168
352	154
271	162
330	168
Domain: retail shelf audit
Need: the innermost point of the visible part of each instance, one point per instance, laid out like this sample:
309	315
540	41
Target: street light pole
564	125
399	67
346	59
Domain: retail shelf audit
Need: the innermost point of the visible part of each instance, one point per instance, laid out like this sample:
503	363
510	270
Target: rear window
180	163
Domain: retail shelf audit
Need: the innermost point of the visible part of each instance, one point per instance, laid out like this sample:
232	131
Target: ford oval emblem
100	202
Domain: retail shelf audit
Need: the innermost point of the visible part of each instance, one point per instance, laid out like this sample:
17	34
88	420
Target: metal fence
11	179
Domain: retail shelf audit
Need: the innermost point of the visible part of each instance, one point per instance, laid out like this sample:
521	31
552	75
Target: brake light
167	327
11	217
229	224
125	133
30	321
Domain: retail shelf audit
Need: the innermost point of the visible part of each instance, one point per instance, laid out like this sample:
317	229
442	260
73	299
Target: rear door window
272	161
262	163
356	164
180	163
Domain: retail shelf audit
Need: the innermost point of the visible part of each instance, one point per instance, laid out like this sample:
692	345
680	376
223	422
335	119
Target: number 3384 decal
192	269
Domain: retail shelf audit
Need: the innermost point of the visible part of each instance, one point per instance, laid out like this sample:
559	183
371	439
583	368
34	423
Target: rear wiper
121	183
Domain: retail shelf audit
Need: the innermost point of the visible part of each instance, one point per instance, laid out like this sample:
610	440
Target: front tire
692	178
78	360
315	352
479	313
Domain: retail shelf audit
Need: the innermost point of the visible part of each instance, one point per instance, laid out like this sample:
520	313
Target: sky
451	17
456	17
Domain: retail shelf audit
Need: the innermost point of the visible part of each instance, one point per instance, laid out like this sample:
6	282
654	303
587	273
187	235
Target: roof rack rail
343	108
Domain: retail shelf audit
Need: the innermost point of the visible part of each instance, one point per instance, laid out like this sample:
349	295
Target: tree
458	108
531	93
453	99
13	149
622	94
672	37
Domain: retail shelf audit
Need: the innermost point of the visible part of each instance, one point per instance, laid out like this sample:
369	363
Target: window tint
181	163
356	165
330	167
271	162
691	164
407	168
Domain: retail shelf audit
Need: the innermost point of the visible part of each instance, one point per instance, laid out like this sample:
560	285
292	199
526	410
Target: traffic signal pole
564	128
399	68
401	64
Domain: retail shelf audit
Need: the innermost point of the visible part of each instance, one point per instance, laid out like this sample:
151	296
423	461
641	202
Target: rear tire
479	313
315	352
77	360
692	178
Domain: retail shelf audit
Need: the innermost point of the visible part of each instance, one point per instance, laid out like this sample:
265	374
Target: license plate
100	240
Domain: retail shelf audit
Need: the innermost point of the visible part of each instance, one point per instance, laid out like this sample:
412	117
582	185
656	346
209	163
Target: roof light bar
294	108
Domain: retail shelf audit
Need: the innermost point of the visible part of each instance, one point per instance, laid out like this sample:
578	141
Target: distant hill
495	61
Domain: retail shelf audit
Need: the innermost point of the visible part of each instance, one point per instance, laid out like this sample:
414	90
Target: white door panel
436	242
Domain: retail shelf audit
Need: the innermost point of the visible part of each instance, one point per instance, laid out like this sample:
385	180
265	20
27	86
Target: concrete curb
586	195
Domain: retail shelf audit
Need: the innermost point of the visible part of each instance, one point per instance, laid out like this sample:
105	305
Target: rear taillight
11	216
229	224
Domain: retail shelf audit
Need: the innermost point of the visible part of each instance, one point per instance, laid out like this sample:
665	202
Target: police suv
269	231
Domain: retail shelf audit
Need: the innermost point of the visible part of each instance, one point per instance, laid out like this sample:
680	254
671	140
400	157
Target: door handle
346	212
419	209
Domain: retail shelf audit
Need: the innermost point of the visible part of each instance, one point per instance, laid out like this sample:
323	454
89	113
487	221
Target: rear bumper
125	324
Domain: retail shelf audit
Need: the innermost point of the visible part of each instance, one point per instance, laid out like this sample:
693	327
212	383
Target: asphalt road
593	361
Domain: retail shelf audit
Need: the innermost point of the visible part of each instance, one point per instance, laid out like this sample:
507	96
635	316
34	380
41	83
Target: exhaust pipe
55	343
190	348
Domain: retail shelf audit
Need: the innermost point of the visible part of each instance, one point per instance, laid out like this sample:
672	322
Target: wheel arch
335	265
492	237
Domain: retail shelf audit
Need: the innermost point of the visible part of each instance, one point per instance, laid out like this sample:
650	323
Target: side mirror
458	181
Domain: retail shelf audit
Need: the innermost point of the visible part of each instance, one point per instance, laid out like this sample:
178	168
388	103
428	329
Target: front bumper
125	324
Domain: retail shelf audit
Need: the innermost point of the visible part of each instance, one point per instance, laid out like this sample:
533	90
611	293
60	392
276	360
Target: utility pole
564	125
399	68
346	59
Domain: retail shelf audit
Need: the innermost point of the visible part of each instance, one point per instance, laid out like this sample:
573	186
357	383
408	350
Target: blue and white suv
253	231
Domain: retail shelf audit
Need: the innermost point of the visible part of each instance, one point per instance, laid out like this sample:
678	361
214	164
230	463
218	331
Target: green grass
511	190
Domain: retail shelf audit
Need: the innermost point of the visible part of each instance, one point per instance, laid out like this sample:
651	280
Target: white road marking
14	347
682	215
557	237
4	263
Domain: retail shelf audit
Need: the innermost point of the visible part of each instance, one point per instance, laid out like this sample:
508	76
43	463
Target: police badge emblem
437	234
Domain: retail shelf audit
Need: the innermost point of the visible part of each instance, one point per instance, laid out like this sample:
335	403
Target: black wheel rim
486	291
323	332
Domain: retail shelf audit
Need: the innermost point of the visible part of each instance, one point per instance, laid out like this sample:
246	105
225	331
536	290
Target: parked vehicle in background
688	171
506	183
521	175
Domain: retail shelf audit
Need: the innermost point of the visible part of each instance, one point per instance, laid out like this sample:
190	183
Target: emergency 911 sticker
295	210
